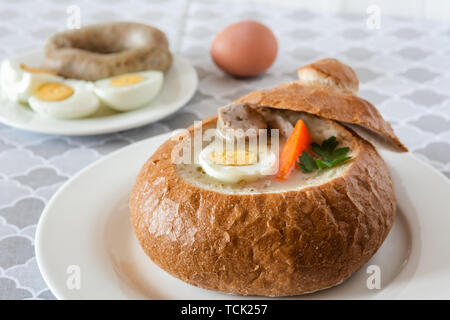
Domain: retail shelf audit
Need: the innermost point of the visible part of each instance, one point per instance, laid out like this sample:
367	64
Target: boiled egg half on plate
129	91
235	165
46	93
67	99
19	82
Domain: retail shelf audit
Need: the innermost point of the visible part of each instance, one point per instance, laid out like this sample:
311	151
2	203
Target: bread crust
107	49
326	103
341	74
271	244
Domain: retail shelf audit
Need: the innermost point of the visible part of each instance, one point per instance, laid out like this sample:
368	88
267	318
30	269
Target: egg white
18	84
83	102
267	165
132	96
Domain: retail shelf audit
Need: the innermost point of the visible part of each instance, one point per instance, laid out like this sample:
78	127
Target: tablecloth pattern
404	69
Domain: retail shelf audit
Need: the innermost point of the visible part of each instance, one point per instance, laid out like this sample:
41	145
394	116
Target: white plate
86	225
179	86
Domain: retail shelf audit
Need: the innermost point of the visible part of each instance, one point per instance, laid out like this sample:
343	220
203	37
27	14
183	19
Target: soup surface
320	129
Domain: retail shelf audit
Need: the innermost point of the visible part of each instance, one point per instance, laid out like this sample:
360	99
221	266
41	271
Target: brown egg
244	49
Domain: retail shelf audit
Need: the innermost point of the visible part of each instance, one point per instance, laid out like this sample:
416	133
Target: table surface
404	70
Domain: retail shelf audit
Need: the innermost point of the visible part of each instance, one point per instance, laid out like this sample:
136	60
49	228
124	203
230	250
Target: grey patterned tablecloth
404	69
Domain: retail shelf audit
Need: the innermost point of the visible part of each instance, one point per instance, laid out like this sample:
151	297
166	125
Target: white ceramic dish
86	224
179	86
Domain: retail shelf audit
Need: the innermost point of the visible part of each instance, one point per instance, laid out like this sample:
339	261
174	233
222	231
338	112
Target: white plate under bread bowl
272	242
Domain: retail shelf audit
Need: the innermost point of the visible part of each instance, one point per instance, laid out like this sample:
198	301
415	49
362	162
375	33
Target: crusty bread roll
285	239
107	49
281	243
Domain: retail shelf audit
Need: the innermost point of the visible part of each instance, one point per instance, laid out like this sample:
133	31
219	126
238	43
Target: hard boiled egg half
236	165
19	82
129	91
67	99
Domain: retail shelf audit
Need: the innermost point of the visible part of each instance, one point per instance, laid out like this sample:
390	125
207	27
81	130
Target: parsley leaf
341	152
330	156
321	164
326	150
306	163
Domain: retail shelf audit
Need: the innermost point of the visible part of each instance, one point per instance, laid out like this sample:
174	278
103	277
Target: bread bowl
268	236
107	49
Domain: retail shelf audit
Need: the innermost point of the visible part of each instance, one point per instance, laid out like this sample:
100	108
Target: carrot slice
298	141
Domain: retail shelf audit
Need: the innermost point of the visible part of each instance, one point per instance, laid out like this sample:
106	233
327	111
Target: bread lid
328	100
330	72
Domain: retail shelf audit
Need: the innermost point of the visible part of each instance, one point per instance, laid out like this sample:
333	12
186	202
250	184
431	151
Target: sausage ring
107	49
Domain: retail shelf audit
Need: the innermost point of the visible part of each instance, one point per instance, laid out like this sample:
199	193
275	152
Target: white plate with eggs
76	107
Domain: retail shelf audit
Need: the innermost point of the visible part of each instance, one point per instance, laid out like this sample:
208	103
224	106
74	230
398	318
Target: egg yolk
36	70
53	91
233	158
126	80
